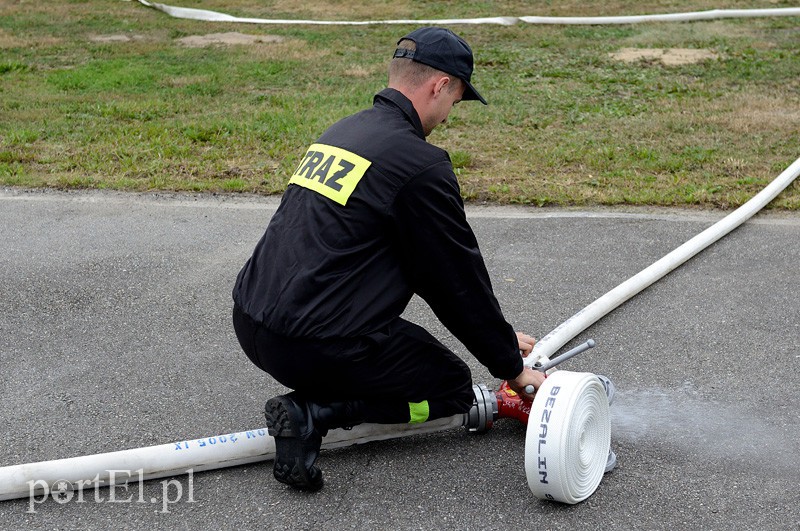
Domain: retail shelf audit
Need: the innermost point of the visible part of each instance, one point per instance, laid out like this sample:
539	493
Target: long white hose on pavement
586	317
88	472
215	16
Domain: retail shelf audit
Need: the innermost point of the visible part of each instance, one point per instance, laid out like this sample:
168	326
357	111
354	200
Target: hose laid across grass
215	16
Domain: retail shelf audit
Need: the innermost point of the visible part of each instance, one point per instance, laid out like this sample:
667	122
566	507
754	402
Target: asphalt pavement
115	333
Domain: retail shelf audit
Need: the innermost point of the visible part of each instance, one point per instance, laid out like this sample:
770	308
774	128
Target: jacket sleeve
446	268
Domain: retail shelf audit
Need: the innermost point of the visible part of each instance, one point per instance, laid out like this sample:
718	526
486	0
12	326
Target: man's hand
526	343
528	376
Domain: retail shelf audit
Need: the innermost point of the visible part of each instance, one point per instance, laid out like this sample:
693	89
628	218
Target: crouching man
373	215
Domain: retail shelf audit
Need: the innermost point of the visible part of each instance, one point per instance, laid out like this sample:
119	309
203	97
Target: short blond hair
405	71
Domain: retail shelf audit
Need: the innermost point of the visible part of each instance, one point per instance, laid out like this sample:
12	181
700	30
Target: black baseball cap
443	50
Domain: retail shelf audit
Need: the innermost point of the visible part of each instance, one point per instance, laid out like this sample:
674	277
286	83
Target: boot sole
283	420
282	417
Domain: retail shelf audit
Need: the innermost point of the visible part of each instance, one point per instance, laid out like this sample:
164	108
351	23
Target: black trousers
388	372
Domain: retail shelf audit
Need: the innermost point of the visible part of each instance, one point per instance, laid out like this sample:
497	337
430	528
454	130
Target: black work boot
298	426
297	442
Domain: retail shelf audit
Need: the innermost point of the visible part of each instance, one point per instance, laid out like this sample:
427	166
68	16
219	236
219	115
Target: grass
566	124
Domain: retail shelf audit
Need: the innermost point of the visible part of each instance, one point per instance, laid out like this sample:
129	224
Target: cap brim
471	94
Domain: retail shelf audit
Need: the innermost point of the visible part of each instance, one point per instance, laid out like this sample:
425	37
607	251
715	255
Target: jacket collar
398	99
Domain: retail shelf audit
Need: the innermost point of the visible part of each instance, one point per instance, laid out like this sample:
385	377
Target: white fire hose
575	415
215	16
579	322
182	457
568	437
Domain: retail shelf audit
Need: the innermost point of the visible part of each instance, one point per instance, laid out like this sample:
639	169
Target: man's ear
440	85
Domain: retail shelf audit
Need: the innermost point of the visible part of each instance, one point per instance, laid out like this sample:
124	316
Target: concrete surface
115	333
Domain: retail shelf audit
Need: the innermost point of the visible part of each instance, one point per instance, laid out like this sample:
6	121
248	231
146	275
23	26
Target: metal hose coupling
483	412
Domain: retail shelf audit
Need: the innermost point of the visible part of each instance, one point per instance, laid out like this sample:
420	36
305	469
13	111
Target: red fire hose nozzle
505	403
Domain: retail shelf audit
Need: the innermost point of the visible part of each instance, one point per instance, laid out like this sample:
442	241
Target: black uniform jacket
372	215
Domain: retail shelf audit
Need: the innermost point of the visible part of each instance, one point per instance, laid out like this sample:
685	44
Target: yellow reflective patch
419	412
330	171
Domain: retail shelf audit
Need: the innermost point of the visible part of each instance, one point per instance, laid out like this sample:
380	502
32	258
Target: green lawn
102	94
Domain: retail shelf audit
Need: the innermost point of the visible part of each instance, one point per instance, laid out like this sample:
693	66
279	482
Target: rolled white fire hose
568	437
215	16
